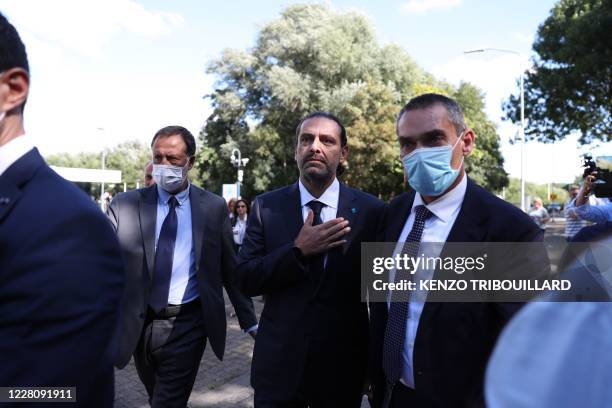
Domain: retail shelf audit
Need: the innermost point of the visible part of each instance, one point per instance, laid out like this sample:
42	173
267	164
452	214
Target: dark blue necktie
164	254
395	332
317	263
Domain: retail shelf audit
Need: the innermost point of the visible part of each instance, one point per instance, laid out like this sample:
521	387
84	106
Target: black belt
175	310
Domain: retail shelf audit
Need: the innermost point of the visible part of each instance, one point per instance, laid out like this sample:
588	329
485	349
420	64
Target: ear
191	162
14	88
468	142
344	152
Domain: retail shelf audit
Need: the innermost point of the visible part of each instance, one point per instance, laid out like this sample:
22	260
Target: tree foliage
570	85
313	59
130	157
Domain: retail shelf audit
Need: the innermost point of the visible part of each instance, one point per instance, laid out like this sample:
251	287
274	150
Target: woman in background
239	222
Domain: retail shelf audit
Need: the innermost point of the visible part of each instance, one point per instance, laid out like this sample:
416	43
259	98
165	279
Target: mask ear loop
455	145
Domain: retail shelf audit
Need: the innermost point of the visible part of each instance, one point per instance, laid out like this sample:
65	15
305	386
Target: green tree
513	192
570	85
310	59
485	164
130	157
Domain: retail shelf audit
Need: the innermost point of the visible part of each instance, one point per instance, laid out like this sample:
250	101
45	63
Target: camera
602	186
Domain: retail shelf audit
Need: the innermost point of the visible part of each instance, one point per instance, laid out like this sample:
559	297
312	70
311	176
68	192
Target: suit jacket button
419	372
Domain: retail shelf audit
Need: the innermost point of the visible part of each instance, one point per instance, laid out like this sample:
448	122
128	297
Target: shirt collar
329	197
13	150
445	206
164	196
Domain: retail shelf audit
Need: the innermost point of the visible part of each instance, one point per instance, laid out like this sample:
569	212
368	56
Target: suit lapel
13	179
198	221
397	221
292	211
348	210
148	218
468	227
9	195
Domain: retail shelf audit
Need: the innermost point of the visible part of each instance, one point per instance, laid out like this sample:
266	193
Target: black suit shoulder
504	221
275	194
496	205
65	207
207	195
400	201
367	198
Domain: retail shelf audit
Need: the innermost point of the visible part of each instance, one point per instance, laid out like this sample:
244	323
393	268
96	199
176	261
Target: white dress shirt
239	229
437	227
330	198
183	281
14	150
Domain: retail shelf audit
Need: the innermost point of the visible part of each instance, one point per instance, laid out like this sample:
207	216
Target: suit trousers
168	354
403	396
330	380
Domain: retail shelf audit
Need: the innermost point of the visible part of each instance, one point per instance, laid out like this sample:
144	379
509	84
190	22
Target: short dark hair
188	138
12	51
455	114
327	115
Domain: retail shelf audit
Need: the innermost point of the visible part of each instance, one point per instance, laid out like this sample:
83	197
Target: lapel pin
354	210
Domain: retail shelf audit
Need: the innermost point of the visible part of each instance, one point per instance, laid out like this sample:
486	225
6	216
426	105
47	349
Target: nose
316	144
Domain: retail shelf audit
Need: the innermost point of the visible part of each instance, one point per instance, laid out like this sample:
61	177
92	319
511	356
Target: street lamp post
103	168
238	162
522	127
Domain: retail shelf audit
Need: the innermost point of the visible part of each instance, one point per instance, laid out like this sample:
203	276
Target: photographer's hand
585	190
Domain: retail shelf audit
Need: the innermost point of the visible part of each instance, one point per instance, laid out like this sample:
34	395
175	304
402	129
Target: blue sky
108	71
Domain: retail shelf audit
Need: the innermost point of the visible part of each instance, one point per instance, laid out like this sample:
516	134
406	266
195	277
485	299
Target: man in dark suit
428	354
178	252
61	275
302	251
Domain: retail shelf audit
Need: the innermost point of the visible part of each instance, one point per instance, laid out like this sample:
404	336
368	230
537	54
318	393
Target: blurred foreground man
60	267
302	251
434	354
178	252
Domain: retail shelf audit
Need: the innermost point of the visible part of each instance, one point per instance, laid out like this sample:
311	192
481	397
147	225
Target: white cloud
87	26
423	6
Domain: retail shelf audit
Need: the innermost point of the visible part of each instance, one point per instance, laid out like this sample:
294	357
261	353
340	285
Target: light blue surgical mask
429	169
169	177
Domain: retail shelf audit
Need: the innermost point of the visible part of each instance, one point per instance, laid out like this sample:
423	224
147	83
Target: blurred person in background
148	175
239	222
597	214
231	206
539	214
573	223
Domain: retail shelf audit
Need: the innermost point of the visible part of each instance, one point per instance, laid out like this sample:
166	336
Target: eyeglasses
242	206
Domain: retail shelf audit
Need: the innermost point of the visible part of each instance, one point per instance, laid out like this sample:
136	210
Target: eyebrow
430	134
312	134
